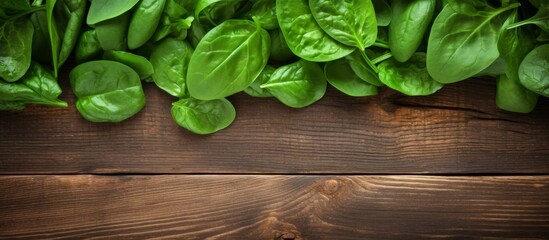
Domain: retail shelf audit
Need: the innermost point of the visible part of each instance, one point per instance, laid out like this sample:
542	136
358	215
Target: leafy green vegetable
170	60
297	85
384	12
88	47
410	78
111	33
340	75
265	13
541	19
15	48
54	35
279	48
255	89
15	5
37	86
534	70
304	36
463	40
72	14
228	59
138	63
144	22
411	20
512	96
101	10
362	70
40	39
106	91
203	117
216	11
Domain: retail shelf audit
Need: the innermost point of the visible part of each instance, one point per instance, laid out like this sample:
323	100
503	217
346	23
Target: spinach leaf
138	63
411	20
15	5
73	13
351	22
54	35
203	117
41	50
265	13
111	33
170	60
228	59
297	85
462	43
11	106
341	76
214	12
144	22
514	44
196	33
37	86
101	10
534	70
410	78
383	11
279	48
304	36
106	91
361	68
15	48
88	47
255	89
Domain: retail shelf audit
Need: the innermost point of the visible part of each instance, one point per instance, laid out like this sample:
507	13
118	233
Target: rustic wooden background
446	166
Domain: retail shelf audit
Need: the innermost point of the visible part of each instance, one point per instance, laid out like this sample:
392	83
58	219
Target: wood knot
330	186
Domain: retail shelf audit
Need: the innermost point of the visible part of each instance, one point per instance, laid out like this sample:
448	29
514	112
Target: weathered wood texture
458	130
269	207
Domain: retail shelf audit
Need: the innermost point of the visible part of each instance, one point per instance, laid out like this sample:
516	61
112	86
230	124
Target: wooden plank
458	130
273	207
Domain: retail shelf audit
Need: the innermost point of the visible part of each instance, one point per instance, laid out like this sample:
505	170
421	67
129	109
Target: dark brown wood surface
329	171
458	130
273	207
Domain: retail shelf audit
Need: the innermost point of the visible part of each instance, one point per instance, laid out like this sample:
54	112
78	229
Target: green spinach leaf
88	47
265	13
101	10
144	22
410	78
280	51
111	33
170	60
106	91
203	117
304	36
37	86
255	89
297	85
361	68
383	11
534	70
228	59
15	48
138	63
340	75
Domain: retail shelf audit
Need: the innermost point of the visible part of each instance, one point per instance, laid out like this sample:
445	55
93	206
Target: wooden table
449	165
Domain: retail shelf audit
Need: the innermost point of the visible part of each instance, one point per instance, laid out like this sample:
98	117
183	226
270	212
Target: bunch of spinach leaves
203	51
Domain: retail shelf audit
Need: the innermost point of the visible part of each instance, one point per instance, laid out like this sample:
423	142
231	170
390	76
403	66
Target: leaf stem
382	58
368	61
381	45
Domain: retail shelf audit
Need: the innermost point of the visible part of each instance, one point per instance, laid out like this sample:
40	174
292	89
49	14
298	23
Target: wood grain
458	130
273	207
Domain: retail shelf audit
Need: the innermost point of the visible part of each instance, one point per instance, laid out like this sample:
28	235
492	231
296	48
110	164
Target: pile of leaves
202	51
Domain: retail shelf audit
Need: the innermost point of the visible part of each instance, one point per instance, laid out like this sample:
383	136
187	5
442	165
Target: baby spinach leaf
361	69
111	33
341	76
255	89
351	22
297	85
170	60
101	10
54	35
73	12
228	59
384	13
15	48
37	86
411	20
410	78
41	46
279	48
144	22
203	117
514	97
214	12
138	63
304	36
463	44
196	33
88	47
106	91
11	106
265	13
15	5
534	70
